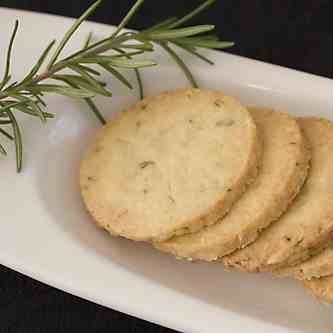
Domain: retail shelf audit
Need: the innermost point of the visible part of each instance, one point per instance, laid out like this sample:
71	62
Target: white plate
46	233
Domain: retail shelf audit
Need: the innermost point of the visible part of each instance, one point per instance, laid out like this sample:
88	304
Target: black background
296	34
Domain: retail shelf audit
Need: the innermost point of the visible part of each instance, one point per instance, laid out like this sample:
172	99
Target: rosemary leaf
11	85
99	47
33	110
39	63
6	80
194	52
72	30
128	16
4	108
92	81
181	64
95	110
125	63
82	83
178	33
48	115
145	46
30	106
25	109
63	90
137	74
105	58
86	69
211	37
124	54
2	149
139	80
204	43
5	122
164	24
17	140
88	40
93	107
6	76
38	111
40	101
189	16
117	74
6	134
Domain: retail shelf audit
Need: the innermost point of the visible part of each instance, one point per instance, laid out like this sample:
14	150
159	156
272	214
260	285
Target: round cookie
307	226
263	202
321	288
169	165
316	267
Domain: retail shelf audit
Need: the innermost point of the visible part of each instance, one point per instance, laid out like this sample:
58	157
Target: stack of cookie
204	178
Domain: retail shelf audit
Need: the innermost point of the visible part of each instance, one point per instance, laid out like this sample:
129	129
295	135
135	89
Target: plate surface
47	235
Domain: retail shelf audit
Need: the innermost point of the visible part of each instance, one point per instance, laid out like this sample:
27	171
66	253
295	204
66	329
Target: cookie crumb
171	199
225	122
218	102
144	164
98	149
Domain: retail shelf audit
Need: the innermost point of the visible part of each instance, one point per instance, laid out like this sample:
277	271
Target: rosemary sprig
166	33
77	76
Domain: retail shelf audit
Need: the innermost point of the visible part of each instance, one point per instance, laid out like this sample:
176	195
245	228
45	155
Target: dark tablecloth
296	34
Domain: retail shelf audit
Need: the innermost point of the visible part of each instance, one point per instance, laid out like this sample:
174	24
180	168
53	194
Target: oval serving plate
47	235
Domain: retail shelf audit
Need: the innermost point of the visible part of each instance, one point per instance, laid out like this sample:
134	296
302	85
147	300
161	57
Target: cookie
321	288
307	226
170	165
316	267
282	173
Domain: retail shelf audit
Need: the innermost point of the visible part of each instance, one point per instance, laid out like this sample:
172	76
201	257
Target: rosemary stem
94	49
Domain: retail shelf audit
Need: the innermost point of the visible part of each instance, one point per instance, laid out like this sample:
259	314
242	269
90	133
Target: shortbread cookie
171	164
321	288
282	172
307	226
316	267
